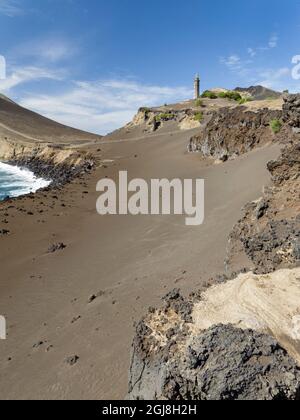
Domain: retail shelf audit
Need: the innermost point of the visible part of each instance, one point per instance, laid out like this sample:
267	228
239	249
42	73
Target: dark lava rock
180	306
93	297
287	167
58	174
38	344
223	363
56	247
232	132
277	245
269	232
291	110
261	209
72	360
4	232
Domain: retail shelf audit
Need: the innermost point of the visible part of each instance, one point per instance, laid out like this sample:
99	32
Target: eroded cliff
238	338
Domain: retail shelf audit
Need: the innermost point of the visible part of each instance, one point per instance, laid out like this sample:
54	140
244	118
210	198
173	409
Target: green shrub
209	94
235	96
276	126
230	94
198	117
222	95
245	100
198	103
164	116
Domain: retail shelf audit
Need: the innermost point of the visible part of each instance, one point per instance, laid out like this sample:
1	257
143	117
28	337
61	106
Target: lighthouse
197	86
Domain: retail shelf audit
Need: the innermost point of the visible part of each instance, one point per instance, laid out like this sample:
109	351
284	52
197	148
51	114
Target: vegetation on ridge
164	116
276	126
229	94
198	117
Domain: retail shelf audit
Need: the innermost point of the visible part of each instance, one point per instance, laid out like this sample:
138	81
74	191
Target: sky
92	63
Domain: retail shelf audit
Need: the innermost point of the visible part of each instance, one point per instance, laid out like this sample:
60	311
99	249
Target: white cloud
47	50
275	78
104	105
251	73
100	106
10	8
273	42
27	74
233	61
235	64
252	52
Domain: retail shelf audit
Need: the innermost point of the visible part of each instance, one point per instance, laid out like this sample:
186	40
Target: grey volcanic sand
126	262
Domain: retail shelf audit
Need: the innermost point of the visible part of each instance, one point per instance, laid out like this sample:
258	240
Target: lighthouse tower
197	86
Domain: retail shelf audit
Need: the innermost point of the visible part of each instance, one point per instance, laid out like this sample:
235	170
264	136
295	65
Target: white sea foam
15	181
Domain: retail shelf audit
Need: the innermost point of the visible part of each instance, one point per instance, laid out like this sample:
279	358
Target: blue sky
92	63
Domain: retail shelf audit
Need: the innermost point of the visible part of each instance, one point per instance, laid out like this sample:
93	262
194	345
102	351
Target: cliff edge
240	338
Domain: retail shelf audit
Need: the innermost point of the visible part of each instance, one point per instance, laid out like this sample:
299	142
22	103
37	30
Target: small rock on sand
56	247
72	360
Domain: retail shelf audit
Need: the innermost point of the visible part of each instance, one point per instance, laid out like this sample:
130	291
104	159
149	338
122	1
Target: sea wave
16	181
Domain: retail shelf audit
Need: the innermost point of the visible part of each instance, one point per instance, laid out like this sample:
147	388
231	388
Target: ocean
15	181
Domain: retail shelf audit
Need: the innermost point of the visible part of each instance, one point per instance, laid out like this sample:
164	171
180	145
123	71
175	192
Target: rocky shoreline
59	174
250	356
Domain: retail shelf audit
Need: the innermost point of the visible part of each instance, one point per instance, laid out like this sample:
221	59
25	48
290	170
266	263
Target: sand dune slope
18	123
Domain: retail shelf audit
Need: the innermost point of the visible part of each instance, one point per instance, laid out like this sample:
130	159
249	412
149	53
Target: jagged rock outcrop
52	162
238	339
224	363
287	166
58	173
269	231
177	355
277	245
151	119
232	132
291	111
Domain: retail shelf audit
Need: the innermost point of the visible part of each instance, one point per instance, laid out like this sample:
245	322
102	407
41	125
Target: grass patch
198	117
223	95
230	94
164	116
209	94
276	126
199	102
243	101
